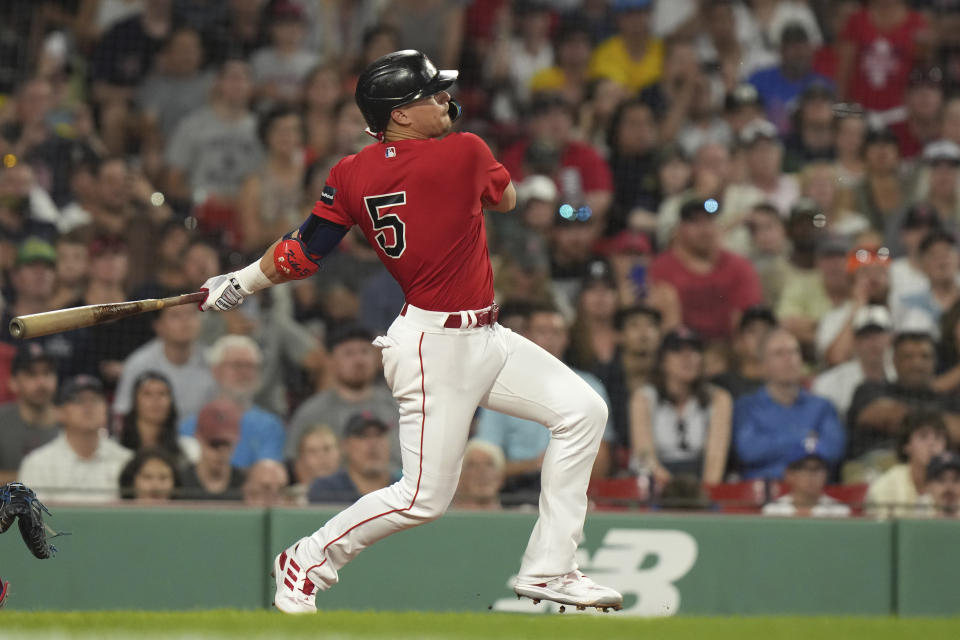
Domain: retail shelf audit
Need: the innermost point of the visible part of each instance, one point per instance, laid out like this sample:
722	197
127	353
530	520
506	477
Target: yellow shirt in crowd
611	60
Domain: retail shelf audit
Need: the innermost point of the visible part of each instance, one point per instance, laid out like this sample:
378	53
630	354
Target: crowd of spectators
736	220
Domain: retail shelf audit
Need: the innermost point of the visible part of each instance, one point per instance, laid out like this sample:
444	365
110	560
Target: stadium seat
739	497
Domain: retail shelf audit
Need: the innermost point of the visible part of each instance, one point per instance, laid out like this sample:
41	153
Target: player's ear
400	116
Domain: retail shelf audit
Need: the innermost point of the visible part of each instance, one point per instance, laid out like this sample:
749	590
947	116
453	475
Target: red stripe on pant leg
423	420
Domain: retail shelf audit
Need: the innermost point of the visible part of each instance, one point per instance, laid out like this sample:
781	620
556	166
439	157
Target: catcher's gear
18	501
397	79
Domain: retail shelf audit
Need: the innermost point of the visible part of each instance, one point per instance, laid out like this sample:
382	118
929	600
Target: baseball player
418	197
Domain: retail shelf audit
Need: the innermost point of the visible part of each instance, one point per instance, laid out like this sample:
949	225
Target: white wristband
252	278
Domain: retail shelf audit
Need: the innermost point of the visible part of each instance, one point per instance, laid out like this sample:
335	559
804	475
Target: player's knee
431	503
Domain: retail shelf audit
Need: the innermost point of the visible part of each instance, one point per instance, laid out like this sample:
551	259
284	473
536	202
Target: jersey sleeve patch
327	195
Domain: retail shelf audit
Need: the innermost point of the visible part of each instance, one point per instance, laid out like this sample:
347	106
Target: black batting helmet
397	79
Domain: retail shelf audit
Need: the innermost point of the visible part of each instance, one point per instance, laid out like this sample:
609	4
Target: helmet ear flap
455	110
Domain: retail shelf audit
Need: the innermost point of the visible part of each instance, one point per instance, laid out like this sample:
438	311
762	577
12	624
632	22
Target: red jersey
418	202
883	60
709	300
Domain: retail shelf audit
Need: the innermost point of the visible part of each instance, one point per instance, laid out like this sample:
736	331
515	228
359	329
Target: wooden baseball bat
42	324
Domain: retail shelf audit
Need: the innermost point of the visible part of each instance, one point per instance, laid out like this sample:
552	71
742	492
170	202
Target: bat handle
187	298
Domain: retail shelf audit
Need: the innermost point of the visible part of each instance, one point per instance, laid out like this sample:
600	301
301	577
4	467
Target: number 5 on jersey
387	221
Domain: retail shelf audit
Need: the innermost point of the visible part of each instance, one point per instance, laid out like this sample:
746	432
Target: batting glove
224	292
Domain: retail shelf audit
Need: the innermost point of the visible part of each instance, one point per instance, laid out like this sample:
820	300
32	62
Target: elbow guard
292	258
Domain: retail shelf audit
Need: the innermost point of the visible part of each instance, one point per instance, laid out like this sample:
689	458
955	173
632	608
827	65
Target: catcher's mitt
19	501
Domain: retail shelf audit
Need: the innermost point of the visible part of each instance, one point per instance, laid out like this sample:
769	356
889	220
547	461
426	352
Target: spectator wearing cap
872	332
279	68
940	262
680	424
481	478
523	442
810	294
780	85
569	75
353	389
882	195
32	280
582	175
218	431
519	52
900	492
80	464
366	463
906	273
876	414
31	420
629	254
869	268
633	57
176	353
769	250
943	485
763	156
924	104
813	130
714	285
742	106
941	160
632	143
640	328
236	364
746	374
878	47
266	484
806	477
769	424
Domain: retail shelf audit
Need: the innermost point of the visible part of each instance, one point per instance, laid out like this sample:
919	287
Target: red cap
219	420
627	241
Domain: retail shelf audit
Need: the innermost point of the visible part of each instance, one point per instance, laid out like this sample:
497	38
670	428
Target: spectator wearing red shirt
714	285
924	102
879	46
582	175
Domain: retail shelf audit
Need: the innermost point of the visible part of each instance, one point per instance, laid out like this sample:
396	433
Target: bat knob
16	328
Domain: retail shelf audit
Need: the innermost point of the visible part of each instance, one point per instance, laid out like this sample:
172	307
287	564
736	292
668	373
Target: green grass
343	625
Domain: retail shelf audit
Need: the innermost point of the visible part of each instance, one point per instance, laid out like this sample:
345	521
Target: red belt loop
403	311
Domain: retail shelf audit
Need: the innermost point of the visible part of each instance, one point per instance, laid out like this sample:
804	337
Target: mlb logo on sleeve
326	196
391	152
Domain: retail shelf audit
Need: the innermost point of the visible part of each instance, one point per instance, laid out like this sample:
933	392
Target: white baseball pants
439	376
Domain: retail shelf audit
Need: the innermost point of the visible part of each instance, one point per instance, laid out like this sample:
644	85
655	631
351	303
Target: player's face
430	117
154	481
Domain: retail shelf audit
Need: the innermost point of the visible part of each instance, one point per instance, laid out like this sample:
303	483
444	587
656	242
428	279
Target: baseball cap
29	353
942	151
536	187
36	250
757	313
102	245
219	420
870	319
77	385
631	5
628	241
346	333
943	462
805	451
880	135
794	32
358	424
743	95
757	130
598	273
921	216
681	338
694	209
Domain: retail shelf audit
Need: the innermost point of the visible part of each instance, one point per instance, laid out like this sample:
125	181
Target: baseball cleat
574	589
295	593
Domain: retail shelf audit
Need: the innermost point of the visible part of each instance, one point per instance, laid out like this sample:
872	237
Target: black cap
598	273
921	216
943	462
758	313
804	207
694	209
29	353
681	338
794	32
358	424
743	95
77	385
880	135
345	333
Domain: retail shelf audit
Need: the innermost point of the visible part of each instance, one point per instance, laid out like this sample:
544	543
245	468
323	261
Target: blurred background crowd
736	219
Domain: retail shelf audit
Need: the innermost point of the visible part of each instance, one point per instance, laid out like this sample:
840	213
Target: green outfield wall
201	558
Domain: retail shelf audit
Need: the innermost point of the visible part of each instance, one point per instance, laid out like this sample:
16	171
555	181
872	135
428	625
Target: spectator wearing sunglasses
213	477
681	424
